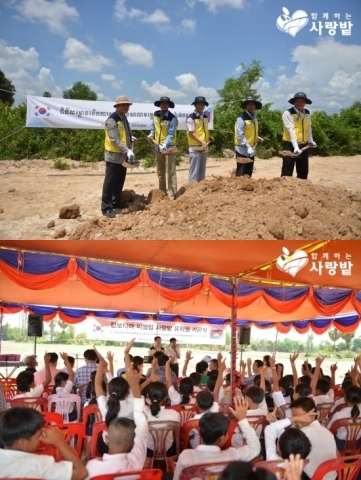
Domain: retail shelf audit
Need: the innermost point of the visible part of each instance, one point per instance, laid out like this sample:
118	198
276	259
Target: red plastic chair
91	410
353	435
347	468
10	388
92	444
31	402
73	434
324	412
52	418
276	466
187	427
257	422
186	411
204	471
150	474
159	431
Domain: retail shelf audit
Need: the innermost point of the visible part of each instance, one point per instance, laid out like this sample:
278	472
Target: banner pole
234	339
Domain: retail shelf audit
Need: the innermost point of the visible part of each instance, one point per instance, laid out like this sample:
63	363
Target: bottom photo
180	359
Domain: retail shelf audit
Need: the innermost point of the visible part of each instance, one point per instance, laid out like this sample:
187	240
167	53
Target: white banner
123	330
87	114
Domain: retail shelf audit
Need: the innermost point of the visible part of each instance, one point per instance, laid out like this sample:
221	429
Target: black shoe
109	213
120	206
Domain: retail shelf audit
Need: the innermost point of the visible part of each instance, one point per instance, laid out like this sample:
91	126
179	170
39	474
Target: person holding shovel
198	140
297	137
246	137
163	134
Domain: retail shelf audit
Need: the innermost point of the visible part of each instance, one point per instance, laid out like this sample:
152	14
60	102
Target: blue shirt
171	130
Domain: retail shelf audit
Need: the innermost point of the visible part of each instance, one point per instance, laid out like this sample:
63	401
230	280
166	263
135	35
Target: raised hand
272	361
294	467
110	357
129	345
240	408
333	367
249	362
293	357
189	355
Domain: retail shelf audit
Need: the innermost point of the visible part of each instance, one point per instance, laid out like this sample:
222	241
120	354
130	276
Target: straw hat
121	100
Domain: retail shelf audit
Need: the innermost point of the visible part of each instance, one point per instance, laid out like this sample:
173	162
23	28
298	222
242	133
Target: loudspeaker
35	325
244	335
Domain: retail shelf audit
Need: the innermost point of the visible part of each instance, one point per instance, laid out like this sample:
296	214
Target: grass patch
60	164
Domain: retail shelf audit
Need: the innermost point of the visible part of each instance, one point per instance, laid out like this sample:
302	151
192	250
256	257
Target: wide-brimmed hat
200	100
122	99
164	99
300	95
254	100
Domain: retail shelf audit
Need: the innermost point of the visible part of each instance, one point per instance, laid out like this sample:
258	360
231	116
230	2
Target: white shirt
329	397
68	388
16	464
344	413
176	397
262	410
323	446
126	406
125	462
163	415
289	123
212	453
172	353
194	433
33	392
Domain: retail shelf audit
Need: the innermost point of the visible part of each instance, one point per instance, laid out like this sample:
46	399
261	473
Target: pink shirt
39	376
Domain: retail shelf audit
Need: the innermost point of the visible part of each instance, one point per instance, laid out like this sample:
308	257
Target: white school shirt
341	433
125	462
33	392
262	410
329	397
194	437
126	406
164	414
212	453
16	464
176	398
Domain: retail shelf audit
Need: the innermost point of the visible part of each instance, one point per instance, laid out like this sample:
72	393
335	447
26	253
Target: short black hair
172	340
24	381
323	385
90	354
19	422
196	378
71	360
246	471
214	362
204	400
256	394
212	426
201	367
156	337
259	363
294	441
211	383
158	354
53	357
305	379
303	389
305	403
162	360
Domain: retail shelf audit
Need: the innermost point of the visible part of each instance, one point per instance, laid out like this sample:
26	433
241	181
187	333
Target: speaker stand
35	346
241	353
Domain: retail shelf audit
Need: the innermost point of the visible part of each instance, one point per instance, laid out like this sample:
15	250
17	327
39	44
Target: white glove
259	139
150	136
251	151
163	147
313	144
130	154
297	151
134	139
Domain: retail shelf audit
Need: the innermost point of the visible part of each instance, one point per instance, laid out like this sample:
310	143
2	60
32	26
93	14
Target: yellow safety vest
250	130
301	126
161	127
108	145
201	129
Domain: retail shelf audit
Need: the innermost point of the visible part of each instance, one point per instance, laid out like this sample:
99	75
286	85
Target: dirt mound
237	208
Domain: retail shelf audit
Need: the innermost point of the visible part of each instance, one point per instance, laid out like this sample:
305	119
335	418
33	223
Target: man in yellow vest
246	136
297	133
198	137
164	134
118	149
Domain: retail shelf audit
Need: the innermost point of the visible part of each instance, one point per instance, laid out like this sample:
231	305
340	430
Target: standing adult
297	134
117	150
39	376
198	137
82	375
164	132
173	352
246	136
157	347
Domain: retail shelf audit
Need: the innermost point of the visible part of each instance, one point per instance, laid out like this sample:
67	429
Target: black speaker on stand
35	327
244	337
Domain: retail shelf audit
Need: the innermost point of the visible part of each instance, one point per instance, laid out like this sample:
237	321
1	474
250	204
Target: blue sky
181	48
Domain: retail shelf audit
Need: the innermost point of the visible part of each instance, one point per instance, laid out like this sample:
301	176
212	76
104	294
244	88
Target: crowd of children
130	402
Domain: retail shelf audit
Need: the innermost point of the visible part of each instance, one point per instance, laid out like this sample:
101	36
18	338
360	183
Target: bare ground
327	206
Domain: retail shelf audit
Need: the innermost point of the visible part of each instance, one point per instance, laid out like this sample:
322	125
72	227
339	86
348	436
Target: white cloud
135	53
117	84
214	5
188	25
330	84
13	58
107	77
54	14
190	3
121	12
188	89
79	57
157	17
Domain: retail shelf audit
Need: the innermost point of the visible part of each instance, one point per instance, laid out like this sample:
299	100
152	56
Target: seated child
21	430
205	403
196	379
127	442
214	432
64	383
26	385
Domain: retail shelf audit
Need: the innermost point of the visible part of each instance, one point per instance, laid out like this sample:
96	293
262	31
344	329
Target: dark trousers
244	168
113	185
289	163
175	368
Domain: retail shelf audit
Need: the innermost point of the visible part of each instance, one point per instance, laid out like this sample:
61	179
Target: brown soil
327	206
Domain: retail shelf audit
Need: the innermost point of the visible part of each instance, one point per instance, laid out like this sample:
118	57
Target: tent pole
234	339
1	325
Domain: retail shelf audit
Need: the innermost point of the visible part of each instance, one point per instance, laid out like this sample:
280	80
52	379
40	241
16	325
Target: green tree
47	94
228	107
80	91
7	90
334	335
347	337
